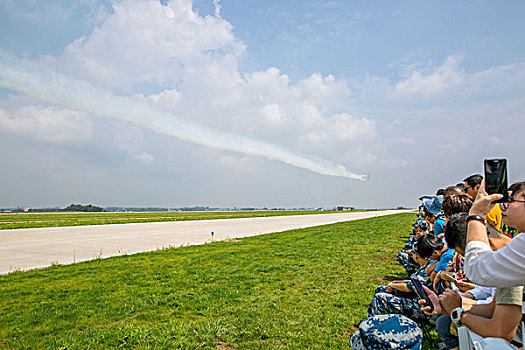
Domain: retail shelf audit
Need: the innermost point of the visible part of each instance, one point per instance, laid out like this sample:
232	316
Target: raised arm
502	268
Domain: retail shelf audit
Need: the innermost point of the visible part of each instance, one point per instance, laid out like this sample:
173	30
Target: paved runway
25	249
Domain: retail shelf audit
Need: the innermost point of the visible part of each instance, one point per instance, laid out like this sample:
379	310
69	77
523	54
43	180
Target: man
472	185
498	319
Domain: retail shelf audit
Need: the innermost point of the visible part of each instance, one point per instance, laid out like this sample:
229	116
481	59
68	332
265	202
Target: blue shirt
444	260
439	225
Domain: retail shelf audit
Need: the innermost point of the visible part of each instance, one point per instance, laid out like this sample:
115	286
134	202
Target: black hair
460	185
450	190
456	231
517	187
456	203
473	180
427	244
440	192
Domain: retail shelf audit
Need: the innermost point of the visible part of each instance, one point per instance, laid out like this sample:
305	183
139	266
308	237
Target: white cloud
418	84
189	66
145	158
127	137
143	41
347	127
47	123
272	114
240	164
168	99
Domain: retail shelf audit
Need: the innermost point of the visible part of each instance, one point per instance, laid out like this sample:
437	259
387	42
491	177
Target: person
405	256
454	204
506	266
450	190
399	297
456	236
500	318
472	186
461	185
432	213
433	248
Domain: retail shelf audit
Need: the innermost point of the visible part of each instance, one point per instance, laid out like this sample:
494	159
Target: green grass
301	289
29	220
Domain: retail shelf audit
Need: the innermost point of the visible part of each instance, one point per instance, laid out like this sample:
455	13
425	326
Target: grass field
29	220
300	289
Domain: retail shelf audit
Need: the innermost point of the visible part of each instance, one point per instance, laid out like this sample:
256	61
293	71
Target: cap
434	205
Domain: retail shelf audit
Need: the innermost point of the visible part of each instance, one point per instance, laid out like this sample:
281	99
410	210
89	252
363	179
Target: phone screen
496	178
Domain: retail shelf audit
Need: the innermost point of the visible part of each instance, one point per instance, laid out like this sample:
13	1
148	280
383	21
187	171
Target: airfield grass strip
300	289
33	220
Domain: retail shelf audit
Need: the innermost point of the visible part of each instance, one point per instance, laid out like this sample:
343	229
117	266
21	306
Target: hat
387	332
434	205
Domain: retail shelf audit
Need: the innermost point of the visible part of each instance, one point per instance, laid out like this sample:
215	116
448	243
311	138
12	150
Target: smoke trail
77	95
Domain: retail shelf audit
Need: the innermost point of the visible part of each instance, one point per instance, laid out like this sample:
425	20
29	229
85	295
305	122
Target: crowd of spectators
465	266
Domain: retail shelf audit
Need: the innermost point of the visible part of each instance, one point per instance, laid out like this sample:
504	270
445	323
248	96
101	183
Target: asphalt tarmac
25	249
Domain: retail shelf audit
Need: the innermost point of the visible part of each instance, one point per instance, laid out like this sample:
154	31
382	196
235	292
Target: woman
506	266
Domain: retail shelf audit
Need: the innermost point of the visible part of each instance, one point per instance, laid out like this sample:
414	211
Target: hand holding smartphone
422	294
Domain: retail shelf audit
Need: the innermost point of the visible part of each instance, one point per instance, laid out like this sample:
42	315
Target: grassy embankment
28	220
301	289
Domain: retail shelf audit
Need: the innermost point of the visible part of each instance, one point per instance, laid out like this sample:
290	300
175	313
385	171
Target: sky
230	103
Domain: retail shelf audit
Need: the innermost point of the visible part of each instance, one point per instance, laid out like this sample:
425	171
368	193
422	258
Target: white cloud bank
50	124
173	60
443	77
190	63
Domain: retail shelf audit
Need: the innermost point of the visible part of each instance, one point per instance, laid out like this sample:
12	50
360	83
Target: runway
25	249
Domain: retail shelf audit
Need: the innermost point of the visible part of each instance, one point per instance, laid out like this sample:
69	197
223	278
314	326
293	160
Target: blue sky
415	93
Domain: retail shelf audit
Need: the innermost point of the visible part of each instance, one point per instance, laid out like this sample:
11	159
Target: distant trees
86	208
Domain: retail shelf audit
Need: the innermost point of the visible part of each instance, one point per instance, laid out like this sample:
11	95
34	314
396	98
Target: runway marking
105	231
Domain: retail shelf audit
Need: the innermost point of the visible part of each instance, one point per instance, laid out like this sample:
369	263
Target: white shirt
502	268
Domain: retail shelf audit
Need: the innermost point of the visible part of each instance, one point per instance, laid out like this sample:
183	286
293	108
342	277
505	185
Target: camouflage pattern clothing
404	257
422	276
396	302
407	261
387	332
386	303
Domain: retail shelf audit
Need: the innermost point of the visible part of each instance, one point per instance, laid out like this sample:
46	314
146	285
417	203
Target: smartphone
496	178
422	294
